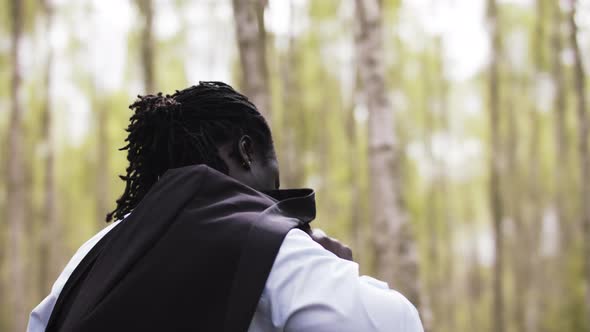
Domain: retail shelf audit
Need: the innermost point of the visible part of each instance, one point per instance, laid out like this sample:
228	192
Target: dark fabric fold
194	255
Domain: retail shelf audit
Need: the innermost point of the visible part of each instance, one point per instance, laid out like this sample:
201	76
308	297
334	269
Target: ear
246	150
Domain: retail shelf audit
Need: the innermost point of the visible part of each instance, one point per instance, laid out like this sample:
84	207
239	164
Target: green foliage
441	131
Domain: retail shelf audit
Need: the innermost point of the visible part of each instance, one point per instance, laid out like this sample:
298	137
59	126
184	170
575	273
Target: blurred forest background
447	140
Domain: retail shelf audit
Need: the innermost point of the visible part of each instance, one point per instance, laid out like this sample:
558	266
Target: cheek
267	176
274	174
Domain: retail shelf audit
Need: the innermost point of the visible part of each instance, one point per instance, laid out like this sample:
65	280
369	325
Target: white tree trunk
146	9
251	37
291	176
496	205
15	202
49	247
560	128
396	256
580	88
102	172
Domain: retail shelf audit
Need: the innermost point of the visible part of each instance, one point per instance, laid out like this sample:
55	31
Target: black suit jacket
194	255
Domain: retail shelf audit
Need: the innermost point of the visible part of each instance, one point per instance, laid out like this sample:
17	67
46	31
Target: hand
331	244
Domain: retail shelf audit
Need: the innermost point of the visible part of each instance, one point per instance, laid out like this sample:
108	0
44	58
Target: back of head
185	128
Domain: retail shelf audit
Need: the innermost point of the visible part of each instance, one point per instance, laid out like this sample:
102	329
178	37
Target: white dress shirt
308	289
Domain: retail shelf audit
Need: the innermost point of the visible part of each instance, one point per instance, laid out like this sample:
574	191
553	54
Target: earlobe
245	148
246	164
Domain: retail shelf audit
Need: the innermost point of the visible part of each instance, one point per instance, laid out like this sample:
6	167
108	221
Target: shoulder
79	256
40	315
310	288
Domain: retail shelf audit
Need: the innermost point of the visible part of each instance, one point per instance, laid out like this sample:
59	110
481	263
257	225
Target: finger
319	233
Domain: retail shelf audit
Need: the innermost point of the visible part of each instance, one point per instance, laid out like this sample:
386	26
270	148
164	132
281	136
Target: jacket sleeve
311	289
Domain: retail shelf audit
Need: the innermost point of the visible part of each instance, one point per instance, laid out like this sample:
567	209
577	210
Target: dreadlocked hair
185	128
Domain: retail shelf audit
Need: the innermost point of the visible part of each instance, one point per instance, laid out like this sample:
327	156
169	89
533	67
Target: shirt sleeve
311	289
39	317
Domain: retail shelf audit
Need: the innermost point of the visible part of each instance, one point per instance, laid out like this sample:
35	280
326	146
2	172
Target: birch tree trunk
356	204
562	142
560	129
15	200
580	89
514	195
251	36
292	122
146	9
49	251
474	277
530	237
433	320
447	217
102	171
496	205
396	257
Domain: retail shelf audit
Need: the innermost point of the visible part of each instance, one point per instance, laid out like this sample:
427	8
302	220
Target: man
205	240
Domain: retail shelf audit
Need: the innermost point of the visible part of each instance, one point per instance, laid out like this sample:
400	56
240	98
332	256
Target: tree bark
561	174
395	252
433	320
496	205
251	36
474	281
515	194
530	237
580	90
356	204
292	121
560	129
49	251
447	238
15	200
102	167
146	9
